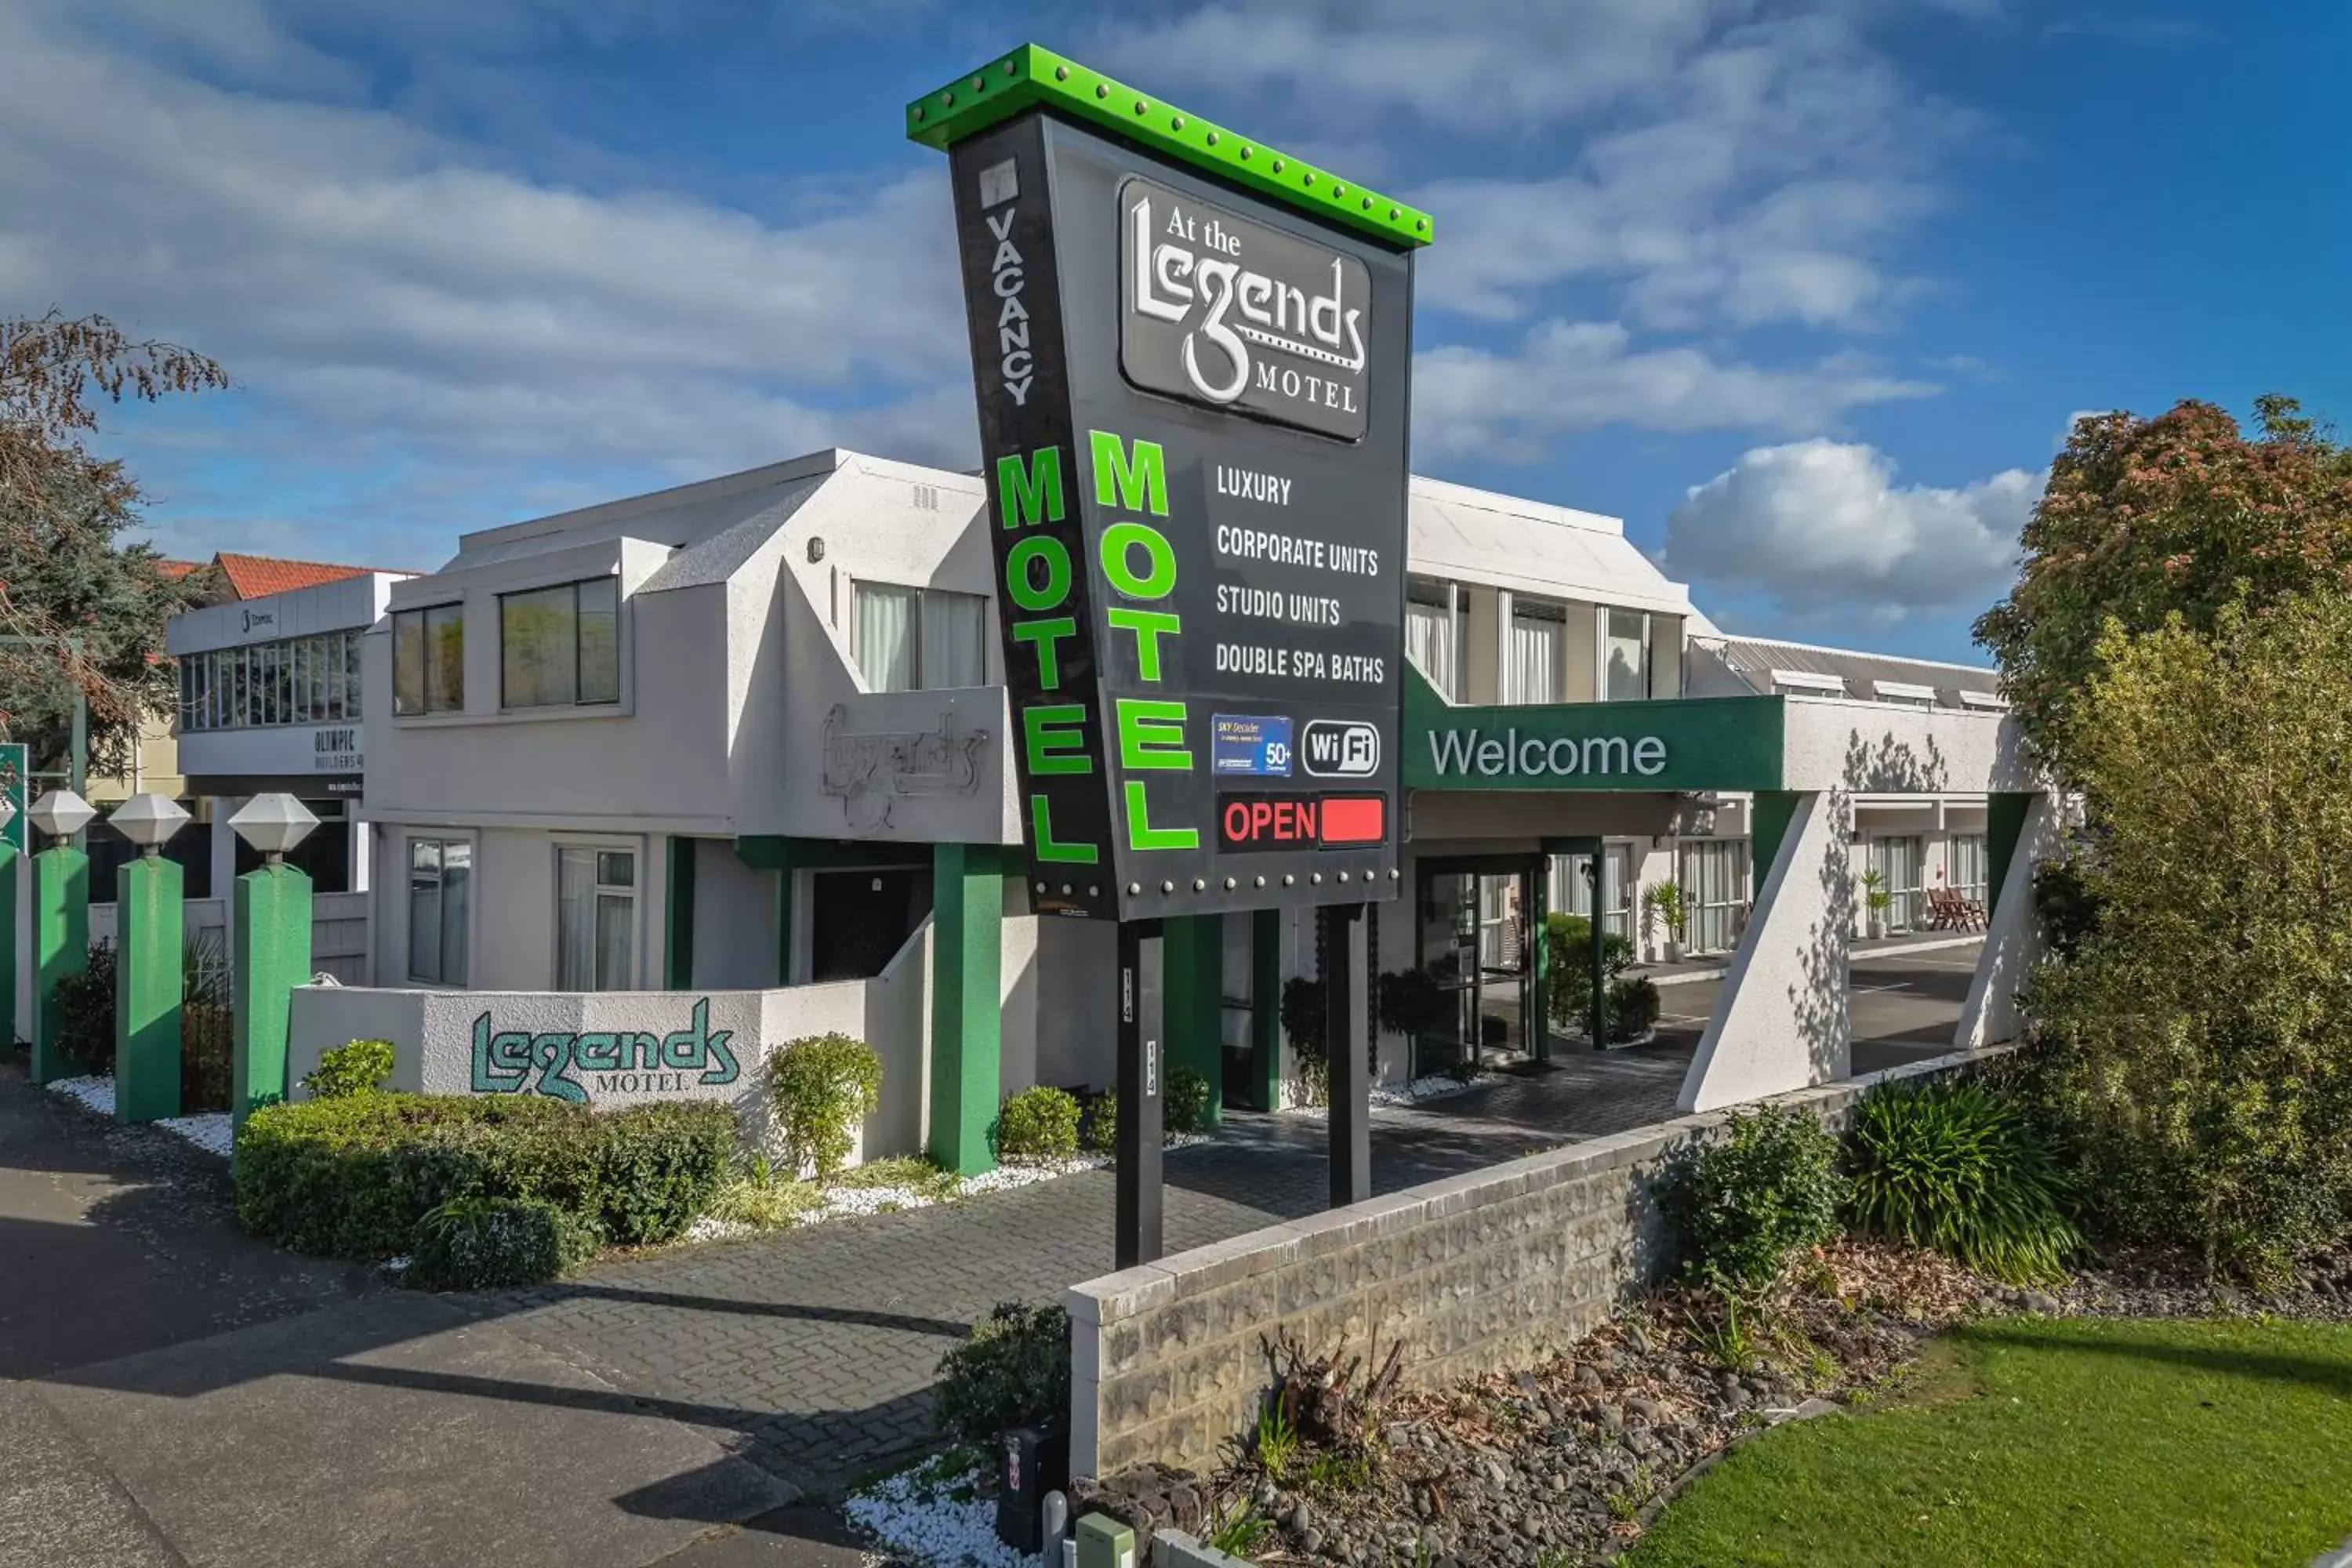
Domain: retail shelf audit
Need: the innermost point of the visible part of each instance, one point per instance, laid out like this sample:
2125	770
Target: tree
2144	519
92	612
2199	1040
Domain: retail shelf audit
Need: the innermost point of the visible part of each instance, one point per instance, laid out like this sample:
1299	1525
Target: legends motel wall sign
1193	357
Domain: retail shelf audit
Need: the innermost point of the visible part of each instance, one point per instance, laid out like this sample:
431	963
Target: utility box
1031	1462
1104	1543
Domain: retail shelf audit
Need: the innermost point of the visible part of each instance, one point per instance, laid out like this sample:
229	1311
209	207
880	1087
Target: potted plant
1663	904
1877	900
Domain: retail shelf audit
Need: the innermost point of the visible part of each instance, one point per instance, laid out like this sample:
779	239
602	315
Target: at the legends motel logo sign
610	1061
1222	311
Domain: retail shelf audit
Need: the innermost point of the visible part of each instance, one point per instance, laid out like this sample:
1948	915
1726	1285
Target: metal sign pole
1345	1005
1140	1069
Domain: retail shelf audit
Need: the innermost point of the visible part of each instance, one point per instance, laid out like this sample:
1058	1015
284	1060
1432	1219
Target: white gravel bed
1436	1085
934	1520
208	1131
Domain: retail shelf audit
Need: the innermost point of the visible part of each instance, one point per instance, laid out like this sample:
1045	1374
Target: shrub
1568	963
1742	1204
1186	1107
480	1244
1953	1167
358	1067
86	1011
660	1165
821	1087
1013	1371
1632	1005
1101	1132
1040	1123
352	1175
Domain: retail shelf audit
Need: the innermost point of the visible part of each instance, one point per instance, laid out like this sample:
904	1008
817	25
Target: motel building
653	786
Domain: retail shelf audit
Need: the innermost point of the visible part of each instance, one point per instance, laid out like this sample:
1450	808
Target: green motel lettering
1464	754
614	1061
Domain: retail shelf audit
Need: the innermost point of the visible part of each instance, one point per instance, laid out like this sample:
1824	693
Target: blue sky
1806	291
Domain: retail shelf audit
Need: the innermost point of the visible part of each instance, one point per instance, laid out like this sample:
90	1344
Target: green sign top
1032	75
1684	743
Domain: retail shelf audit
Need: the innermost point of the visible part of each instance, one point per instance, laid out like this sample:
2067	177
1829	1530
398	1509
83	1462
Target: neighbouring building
745	739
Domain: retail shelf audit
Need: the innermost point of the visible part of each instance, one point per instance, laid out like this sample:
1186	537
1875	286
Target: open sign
1266	822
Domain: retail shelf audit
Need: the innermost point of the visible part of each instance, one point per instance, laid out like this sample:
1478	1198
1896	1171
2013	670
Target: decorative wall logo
259	618
627	1061
1222	311
870	771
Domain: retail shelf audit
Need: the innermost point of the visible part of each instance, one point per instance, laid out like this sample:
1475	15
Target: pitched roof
175	570
258	577
1757	664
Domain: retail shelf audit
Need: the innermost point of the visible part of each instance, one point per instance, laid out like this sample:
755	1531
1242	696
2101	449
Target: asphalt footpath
173	1393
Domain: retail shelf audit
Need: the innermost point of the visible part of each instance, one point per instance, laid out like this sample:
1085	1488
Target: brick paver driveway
811	1351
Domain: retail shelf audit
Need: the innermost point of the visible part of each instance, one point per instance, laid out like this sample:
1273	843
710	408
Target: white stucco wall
1867	748
734	918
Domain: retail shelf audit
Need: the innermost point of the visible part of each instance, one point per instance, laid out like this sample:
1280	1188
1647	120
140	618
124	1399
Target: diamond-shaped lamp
148	820
61	814
273	823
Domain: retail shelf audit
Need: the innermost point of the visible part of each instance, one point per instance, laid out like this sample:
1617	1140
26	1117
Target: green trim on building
60	949
149	899
677	912
784	855
1031	76
9	862
1266	1007
2005	817
967	1003
273	956
1669	743
1193	1000
1768	822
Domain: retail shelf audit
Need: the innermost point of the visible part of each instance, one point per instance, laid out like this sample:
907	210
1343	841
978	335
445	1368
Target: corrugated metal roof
1748	663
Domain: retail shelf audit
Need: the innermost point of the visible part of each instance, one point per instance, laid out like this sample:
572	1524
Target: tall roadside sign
1192	359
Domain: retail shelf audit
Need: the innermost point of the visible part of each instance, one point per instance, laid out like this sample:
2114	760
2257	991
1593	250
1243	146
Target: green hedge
351	1176
481	1244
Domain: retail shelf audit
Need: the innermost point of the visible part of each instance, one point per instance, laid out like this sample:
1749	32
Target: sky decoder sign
1192	356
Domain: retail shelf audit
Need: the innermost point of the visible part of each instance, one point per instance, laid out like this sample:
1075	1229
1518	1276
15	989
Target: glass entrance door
1474	943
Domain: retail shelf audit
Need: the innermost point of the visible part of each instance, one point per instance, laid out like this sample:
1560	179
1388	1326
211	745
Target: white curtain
951	652
1628	657
886	636
1535	661
1429	643
576	920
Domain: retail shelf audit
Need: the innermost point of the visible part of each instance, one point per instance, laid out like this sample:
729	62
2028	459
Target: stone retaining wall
1500	1269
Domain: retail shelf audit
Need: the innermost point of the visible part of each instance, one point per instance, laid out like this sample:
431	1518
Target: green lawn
2058	1442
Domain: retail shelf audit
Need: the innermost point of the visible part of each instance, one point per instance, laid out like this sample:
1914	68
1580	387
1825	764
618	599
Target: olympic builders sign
1193	357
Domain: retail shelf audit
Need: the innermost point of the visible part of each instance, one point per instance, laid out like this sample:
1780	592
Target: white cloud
1735	162
387	296
1821	529
1569	376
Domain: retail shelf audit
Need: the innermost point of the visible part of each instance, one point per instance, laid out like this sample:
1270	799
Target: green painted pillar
1539	960
1768	825
60	949
677	928
273	956
2004	825
967	1003
1265	1006
9	859
148	911
1192	1003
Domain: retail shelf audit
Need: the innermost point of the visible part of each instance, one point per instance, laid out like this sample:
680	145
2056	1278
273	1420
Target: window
1897	861
1570	890
1714	878
1625	655
1534	673
440	905
428	659
561	646
919	639
1431	635
1968	872
595	919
